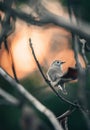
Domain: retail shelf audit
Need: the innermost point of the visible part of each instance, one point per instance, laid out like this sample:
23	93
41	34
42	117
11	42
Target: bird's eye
57	62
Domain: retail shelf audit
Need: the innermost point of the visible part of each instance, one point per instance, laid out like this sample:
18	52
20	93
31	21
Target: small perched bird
58	78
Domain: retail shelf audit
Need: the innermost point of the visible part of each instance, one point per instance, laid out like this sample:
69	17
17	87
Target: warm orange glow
50	42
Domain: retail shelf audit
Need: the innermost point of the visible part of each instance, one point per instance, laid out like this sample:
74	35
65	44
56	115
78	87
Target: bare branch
40	107
13	67
47	81
66	114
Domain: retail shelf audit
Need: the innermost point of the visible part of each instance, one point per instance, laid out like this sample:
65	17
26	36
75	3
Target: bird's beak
63	62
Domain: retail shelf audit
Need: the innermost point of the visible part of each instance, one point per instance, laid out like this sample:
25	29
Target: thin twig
66	114
47	81
13	67
40	107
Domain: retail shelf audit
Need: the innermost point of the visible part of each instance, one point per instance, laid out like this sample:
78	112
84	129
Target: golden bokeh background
50	43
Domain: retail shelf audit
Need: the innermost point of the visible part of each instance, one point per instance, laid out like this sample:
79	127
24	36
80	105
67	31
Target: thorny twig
27	95
48	82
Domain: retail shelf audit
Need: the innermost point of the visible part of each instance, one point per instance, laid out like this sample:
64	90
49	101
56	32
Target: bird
58	78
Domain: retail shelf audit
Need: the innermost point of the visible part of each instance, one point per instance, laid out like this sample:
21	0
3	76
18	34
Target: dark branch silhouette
51	18
66	114
29	97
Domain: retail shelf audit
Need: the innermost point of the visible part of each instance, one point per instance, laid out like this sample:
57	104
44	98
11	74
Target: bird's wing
54	77
72	74
54	74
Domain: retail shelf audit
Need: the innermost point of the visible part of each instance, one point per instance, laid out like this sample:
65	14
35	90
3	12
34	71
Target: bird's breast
54	74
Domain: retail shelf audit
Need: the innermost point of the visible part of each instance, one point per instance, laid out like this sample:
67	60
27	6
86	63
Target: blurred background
50	43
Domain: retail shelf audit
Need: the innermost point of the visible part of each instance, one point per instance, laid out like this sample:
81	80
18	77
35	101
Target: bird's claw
63	89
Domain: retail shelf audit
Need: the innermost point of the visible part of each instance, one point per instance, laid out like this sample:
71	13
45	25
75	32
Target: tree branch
40	107
47	81
81	30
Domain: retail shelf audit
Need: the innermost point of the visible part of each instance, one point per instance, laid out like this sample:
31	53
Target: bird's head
57	63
